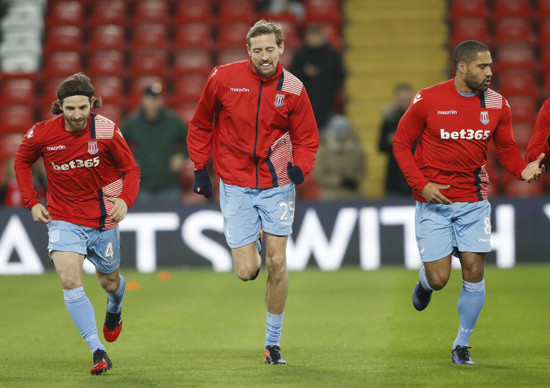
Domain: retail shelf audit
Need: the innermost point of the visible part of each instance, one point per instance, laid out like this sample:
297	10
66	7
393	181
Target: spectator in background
396	185
320	68
157	138
341	163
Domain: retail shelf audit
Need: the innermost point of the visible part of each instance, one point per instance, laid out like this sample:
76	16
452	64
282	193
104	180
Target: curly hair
76	85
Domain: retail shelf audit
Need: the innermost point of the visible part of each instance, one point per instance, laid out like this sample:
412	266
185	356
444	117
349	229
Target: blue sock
424	279
273	329
82	312
470	303
114	301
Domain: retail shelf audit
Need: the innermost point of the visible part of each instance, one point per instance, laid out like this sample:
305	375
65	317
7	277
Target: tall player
454	122
257	120
93	179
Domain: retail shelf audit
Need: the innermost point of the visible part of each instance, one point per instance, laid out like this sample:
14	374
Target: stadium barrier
327	235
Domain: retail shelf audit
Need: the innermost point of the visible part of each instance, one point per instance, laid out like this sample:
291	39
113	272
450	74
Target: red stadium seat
62	64
513	187
63	38
322	11
189	35
150	37
513	30
185	110
543	8
232	34
106	63
16	118
524	109
515	8
545	84
192	61
469	9
8	145
65	13
233	54
515	55
18	91
193	11
110	89
109	37
112	12
471	29
151	12
232	11
112	112
149	63
188	88
517	82
522	134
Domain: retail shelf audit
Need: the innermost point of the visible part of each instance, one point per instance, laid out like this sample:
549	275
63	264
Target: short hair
77	84
264	27
468	50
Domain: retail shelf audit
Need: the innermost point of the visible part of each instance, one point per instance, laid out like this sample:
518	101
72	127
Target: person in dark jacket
320	68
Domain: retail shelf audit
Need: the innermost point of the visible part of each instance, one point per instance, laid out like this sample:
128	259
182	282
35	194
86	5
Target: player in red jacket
257	120
92	181
454	122
540	139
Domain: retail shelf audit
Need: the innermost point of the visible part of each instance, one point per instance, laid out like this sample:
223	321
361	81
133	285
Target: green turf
346	328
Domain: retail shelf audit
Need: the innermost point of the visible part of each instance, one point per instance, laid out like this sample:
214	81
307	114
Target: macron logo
239	90
56	148
417	98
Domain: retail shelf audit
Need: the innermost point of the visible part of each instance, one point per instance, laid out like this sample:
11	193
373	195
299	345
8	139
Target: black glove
350	184
202	184
294	173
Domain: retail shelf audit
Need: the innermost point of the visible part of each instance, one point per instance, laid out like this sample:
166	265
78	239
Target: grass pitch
348	328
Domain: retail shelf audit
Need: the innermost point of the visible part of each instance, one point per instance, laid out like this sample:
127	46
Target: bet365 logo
466	134
77	163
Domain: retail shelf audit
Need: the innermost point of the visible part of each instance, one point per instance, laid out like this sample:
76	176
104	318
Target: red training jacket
254	126
454	132
83	168
538	142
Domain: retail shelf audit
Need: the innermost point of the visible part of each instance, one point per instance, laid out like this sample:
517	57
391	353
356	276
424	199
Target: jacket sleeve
538	142
410	127
304	134
201	126
505	145
27	154
127	165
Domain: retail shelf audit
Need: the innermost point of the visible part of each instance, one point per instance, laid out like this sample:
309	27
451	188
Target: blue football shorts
442	230
247	211
101	247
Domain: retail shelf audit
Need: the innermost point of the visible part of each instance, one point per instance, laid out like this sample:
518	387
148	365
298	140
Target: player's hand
295	173
40	214
533	170
431	193
119	210
202	184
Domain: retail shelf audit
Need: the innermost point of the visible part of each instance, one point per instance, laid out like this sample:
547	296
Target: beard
473	84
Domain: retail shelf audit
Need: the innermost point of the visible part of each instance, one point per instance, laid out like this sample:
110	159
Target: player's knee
276	265
70	283
437	282
248	273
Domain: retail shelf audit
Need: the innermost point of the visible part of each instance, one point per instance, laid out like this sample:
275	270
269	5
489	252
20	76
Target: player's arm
27	154
127	165
201	127
540	137
506	149
303	134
